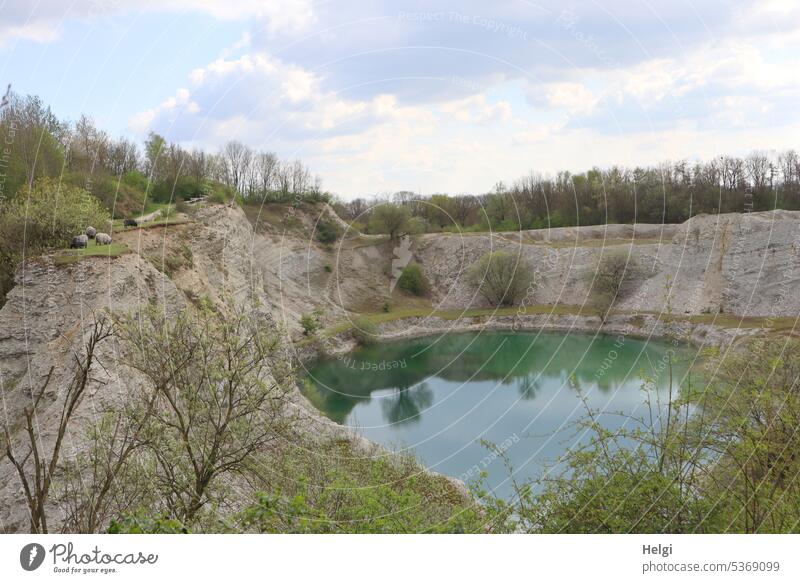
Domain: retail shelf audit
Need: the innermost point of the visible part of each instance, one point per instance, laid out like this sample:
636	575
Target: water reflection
526	361
438	397
406	405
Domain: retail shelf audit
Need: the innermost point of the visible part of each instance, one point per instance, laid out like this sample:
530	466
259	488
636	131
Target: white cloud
477	110
574	97
41	21
40	32
170	107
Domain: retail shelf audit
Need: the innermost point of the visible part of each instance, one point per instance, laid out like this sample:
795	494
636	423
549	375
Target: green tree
394	220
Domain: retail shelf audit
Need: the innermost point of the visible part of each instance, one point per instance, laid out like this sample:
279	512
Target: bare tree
268	165
221	385
237	158
35	465
614	270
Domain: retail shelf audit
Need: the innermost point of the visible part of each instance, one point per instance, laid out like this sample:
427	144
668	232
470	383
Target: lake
437	397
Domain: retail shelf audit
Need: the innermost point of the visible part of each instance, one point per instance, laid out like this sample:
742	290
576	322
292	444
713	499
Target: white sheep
103	239
91	232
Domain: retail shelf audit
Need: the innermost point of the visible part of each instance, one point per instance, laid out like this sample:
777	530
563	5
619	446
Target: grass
92	250
423	312
774	325
159	222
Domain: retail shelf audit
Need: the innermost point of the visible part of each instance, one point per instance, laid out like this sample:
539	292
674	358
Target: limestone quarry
711	280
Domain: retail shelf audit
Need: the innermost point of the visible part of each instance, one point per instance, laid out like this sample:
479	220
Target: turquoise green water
438	396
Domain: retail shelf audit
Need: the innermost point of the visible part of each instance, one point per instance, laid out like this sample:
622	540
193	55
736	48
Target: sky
430	96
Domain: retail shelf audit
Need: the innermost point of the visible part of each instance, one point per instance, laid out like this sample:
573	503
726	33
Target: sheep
103	239
130	223
79	242
91	232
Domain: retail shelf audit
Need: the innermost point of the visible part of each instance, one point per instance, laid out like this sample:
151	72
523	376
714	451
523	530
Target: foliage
668	192
141	523
326	231
340	489
37	468
751	412
393	220
413	280
47	217
219	193
311	322
500	277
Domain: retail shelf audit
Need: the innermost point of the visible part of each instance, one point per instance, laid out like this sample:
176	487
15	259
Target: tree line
670	192
123	175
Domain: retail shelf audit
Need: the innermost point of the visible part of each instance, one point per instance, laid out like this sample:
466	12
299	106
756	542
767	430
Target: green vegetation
341	489
364	331
92	250
393	220
119	178
210	413
327	232
413	280
311	322
501	278
46	218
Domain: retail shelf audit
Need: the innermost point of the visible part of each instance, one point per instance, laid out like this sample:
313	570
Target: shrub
500	277
326	232
613	271
342	489
219	193
413	280
365	332
48	217
309	324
